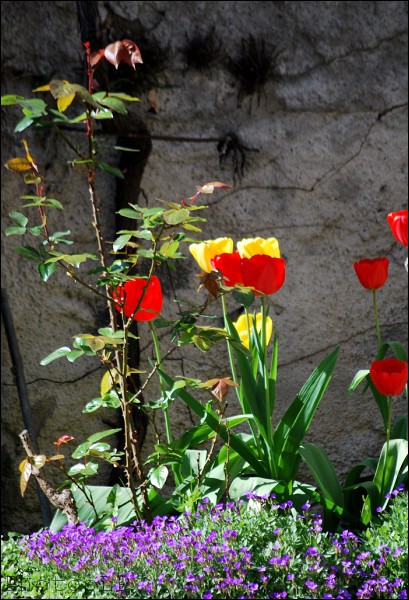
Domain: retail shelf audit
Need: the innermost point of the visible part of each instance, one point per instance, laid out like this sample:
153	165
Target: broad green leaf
100	447
130	213
159	476
121	242
389	466
103	434
175	217
54	355
29	253
366	512
23	124
143	234
168	249
114	104
193	462
14	230
89	341
294	424
36	230
400	428
33	105
46	270
18	218
397	348
244	298
353	476
10	99
84	470
323	472
102	114
74	354
259	485
72	259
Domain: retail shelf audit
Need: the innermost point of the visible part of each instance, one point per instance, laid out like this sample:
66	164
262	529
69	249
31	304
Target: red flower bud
398	222
372	273
389	376
142	295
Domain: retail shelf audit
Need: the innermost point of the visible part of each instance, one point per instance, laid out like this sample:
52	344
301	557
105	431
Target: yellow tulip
241	327
251	246
203	252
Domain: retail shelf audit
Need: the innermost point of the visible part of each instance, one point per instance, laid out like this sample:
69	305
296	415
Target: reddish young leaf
123	51
96	57
63	439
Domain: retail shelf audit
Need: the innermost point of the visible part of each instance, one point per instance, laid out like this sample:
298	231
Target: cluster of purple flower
210	554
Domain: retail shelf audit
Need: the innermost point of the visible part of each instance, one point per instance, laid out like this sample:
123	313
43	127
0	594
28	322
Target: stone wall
316	93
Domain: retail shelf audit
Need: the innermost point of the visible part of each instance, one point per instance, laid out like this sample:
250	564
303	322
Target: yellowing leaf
64	102
208	188
106	383
25	470
56	457
18	165
28	155
43	88
38	460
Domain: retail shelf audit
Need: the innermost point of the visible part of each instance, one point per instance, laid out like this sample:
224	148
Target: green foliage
269	551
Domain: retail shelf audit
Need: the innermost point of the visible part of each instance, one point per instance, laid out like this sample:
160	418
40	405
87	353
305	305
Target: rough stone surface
330	129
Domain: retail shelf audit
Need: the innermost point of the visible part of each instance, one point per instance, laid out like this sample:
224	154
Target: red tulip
263	273
129	296
389	376
372	273
229	264
398	222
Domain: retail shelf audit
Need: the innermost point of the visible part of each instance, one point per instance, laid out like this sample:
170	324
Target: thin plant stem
378	331
162	385
229	350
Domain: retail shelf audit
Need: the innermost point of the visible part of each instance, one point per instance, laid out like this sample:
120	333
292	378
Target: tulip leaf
294	424
323	472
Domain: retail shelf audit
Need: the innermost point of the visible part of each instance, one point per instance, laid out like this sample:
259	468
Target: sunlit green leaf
54	355
45	270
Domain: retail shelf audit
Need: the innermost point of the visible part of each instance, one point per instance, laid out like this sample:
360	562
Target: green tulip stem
229	350
388	436
378	331
162	385
265	370
235	379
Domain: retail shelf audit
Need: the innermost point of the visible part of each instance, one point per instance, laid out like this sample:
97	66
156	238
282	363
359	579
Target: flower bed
246	549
